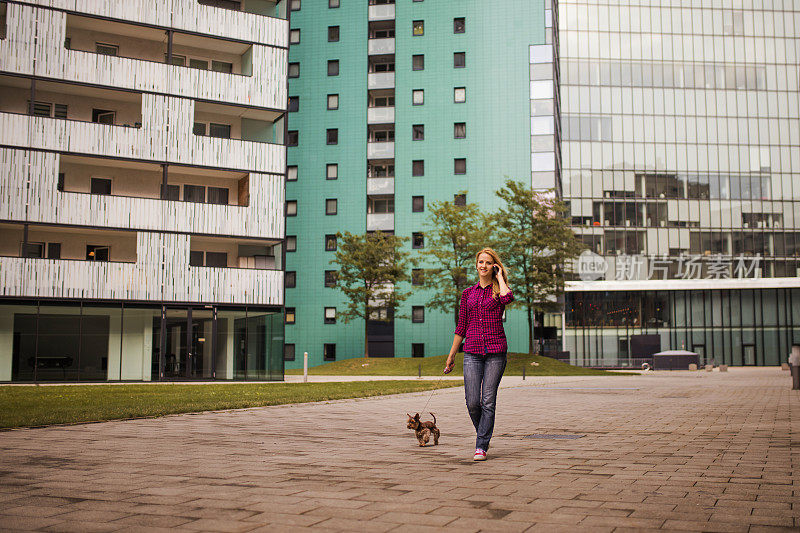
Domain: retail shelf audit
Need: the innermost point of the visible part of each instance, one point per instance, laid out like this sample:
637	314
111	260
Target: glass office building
681	166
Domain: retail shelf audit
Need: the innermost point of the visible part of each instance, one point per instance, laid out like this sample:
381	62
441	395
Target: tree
456	234
535	241
370	267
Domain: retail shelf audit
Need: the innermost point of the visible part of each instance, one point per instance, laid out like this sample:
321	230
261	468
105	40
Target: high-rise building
394	105
141	189
681	164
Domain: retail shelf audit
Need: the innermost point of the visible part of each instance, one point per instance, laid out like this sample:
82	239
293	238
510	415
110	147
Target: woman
480	322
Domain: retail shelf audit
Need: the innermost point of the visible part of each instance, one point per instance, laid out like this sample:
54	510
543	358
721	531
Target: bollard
305	367
419	371
795	377
794	364
523	372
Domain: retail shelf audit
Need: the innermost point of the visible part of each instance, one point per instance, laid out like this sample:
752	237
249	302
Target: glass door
174	343
749	354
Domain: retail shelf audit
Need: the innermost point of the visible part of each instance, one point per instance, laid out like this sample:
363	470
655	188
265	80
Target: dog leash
432	393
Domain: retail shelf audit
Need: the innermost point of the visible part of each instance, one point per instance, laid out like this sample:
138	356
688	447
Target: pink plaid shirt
480	320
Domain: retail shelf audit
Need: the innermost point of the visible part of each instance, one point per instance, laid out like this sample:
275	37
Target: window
417	349
294	37
418	62
294	70
330	243
196	258
460	166
294	103
418	27
418	97
333	101
418	168
460	199
333	67
333	34
333	3
291	173
330	315
459	25
380	170
201	64
459	59
329	352
417	276
292	138
418	132
54	250
96	252
33	250
417	204
172	192
291	243
380	204
199	128
288	352
103	116
331	205
106	49
417	314
290	315
332	171
290	279
291	208
218	195
417	240
59	111
330	278
216	259
194	193
222	66
101	186
221	131
459	130
332	136
459	95
294	5
177	60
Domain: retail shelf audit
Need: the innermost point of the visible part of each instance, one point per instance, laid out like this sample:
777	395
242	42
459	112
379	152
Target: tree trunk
366	331
531	333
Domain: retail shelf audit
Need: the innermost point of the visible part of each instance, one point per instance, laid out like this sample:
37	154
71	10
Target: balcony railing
380	115
380	186
380	150
381	12
380	46
380	80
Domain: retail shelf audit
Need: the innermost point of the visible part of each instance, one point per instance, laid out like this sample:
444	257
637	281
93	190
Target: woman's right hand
451	362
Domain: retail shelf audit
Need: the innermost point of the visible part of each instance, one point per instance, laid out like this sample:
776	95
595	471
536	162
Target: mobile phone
496	270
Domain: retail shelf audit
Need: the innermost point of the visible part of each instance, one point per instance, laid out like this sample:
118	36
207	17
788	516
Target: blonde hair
496	258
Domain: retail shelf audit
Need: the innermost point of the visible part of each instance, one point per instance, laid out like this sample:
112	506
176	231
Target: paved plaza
678	451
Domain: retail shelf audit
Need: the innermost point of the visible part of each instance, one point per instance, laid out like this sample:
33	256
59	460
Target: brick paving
675	451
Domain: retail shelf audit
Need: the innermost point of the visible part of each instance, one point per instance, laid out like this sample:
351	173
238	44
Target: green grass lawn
66	404
432	366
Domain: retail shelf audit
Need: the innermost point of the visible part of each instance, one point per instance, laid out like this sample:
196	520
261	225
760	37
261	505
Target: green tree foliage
370	266
534	241
455	234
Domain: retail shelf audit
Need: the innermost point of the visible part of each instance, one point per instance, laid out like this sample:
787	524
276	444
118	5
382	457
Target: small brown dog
423	430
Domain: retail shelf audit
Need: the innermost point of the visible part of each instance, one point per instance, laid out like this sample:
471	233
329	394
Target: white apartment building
142	169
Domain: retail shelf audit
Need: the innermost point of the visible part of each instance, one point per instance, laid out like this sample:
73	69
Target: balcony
380	46
381	12
380	80
380	186
237	73
380	222
160	272
380	115
380	150
85	120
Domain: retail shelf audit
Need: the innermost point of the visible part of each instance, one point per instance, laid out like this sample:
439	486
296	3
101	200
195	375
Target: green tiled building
397	105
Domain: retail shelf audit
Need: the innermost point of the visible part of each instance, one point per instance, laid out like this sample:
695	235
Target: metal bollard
523	372
419	371
795	377
305	367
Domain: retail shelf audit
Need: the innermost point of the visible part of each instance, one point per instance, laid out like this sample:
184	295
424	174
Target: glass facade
681	143
98	341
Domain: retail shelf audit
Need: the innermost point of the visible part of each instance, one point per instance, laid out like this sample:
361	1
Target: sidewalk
676	451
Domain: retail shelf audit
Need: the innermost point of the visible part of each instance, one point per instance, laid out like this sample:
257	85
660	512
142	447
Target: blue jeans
481	378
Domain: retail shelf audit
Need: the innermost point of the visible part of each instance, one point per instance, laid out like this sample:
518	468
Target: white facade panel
382	150
380	115
380	80
380	46
381	12
380	185
380	221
